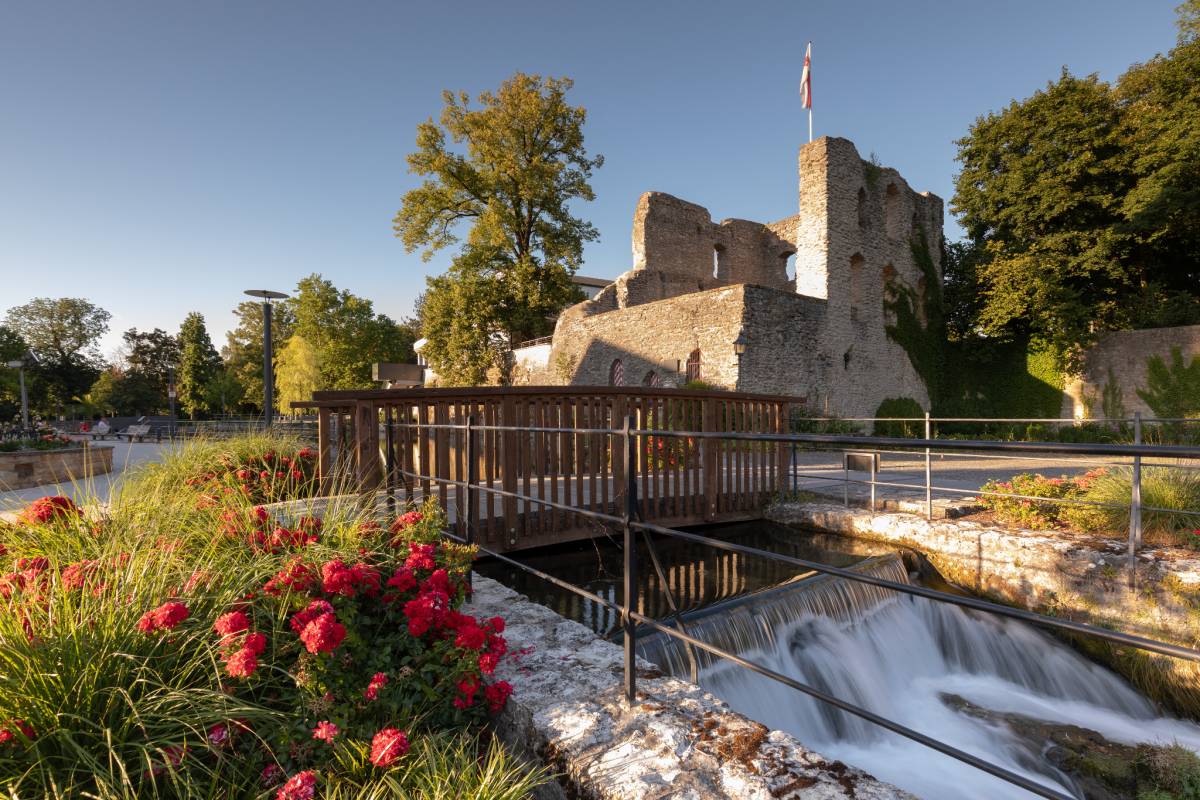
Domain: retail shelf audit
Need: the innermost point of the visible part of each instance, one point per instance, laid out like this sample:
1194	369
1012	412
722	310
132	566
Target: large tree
63	335
507	171
199	363
297	372
150	357
1082	205
12	347
344	333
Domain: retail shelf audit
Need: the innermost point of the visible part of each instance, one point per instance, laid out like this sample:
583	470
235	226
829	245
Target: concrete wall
1122	356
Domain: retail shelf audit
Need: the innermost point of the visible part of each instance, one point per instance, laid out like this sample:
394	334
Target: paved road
90	490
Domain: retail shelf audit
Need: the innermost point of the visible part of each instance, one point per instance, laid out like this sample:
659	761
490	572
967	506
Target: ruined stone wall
855	233
1118	359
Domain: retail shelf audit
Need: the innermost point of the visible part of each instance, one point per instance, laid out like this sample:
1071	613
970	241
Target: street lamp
19	365
171	394
268	367
739	345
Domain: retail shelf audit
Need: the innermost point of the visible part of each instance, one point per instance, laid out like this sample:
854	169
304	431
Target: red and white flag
806	79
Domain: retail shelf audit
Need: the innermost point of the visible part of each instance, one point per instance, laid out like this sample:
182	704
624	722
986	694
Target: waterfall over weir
897	656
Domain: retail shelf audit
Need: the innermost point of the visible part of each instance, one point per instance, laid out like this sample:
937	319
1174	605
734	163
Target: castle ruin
867	251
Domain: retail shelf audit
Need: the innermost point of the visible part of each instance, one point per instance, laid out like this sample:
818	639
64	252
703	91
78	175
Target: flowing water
898	656
894	655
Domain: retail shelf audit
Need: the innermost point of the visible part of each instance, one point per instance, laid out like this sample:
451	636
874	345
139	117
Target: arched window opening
616	373
720	267
857	290
891	212
693	365
652	379
864	219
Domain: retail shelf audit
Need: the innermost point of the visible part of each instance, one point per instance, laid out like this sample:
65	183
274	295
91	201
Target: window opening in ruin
616	373
693	366
720	267
863	220
652	379
789	266
857	290
891	212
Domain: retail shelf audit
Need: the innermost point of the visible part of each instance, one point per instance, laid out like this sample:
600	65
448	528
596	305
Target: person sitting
102	427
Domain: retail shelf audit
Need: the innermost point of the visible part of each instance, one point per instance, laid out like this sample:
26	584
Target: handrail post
928	471
469	490
389	459
1135	504
630	566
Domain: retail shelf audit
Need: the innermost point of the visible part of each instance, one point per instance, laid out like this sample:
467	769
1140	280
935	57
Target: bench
109	434
135	432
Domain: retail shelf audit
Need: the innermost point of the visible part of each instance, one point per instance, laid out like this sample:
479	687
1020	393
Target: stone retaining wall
27	468
1057	572
568	711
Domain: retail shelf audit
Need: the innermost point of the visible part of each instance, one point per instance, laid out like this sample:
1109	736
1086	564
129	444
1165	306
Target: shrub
900	407
166	650
1174	490
1035	514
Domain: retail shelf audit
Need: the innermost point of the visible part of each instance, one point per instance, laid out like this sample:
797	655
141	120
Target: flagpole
810	125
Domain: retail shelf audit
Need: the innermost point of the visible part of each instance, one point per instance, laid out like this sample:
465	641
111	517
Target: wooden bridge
400	440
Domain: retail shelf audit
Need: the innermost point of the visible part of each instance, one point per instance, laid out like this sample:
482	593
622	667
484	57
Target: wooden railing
397	440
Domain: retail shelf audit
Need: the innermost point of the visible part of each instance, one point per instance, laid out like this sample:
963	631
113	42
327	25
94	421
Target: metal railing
1135	464
629	521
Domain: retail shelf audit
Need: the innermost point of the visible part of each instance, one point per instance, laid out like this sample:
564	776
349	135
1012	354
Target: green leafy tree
121	392
12	347
243	351
507	171
149	357
1172	390
345	334
63	335
198	364
297	372
223	393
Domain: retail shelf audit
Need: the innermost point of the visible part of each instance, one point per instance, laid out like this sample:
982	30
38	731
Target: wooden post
366	446
325	467
710	450
508	470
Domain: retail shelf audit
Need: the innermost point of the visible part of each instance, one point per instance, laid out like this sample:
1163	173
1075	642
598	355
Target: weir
909	659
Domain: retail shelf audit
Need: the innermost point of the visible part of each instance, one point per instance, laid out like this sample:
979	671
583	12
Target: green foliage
1082	205
12	347
986	378
149	358
917	322
1172	390
1041	514
198	365
1162	488
63	334
243	351
903	407
297	372
521	163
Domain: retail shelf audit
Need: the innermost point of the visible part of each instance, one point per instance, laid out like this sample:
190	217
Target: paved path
90	490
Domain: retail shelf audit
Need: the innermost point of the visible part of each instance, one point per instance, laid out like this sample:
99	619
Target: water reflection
697	574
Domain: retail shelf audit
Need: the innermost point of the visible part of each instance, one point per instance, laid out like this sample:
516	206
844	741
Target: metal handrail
629	435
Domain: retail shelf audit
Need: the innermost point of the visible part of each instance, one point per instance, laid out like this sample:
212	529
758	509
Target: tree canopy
199	364
507	171
1081	205
63	334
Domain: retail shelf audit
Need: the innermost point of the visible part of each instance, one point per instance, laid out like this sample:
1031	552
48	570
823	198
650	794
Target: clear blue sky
159	157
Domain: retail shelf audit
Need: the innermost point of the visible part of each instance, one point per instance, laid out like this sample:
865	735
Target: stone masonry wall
1121	356
27	468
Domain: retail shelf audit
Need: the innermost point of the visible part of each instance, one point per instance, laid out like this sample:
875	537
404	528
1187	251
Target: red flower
488	662
325	731
301	786
270	775
296	576
47	509
337	578
387	747
218	735
406	521
315	609
497	695
497	624
403	580
9	730
242	663
468	686
231	623
256	643
470	635
165	617
75	575
420	556
378	681
323	634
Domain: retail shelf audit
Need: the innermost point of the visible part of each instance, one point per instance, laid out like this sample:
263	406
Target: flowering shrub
226	654
1039	514
260	478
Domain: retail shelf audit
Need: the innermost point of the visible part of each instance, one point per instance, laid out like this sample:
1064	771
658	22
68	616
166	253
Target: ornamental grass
189	642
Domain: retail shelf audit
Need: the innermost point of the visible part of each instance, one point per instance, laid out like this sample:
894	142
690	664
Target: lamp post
19	365
268	365
171	394
739	350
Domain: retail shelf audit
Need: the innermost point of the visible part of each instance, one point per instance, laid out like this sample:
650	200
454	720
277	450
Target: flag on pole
806	79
